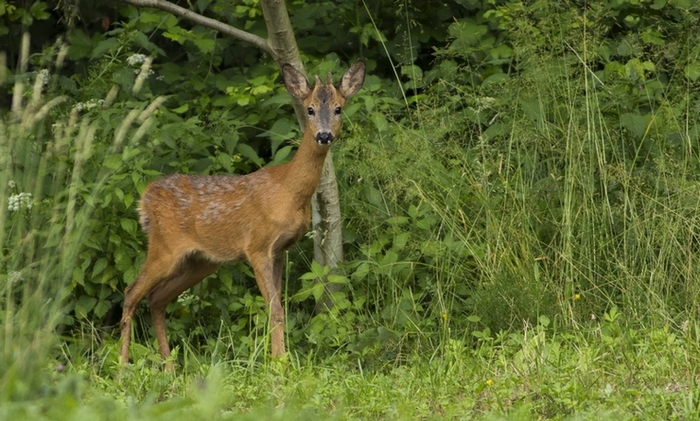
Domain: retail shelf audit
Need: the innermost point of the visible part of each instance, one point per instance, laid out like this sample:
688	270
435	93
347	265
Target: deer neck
304	170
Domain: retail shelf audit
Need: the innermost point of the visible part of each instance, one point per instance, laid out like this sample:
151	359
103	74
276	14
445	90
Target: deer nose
324	138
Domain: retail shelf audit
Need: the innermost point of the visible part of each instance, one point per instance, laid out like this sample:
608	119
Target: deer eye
311	111
337	110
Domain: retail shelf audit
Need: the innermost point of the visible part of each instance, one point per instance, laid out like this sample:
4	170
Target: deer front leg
268	273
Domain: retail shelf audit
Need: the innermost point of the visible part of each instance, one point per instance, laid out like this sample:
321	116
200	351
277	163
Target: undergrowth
608	371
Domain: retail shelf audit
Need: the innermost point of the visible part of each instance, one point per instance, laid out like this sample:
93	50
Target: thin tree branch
205	21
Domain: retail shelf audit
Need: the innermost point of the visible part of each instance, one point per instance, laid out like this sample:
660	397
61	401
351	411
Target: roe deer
196	222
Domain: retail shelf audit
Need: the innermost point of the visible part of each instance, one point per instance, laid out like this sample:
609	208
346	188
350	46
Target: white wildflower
135	59
88	105
11	184
186	297
14	277
150	72
44	76
19	201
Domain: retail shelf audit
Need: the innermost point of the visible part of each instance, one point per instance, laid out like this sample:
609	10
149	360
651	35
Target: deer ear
297	84
352	80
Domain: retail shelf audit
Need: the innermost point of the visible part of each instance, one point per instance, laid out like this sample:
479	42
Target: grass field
603	371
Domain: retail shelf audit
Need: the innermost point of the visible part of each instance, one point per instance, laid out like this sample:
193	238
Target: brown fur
196	222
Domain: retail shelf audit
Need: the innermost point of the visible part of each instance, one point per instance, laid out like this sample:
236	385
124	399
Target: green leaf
225	161
412	72
338	279
681	4
104	46
99	266
205	45
361	272
181	109
317	290
495	78
379	121
397	220
38	10
78	276
692	71
80	45
317	271
129	225
390	258
249	153
280	131
226	278
83	305
113	161
129	275
374	196
102	308
170	72
635	123
128	200
385	335
281	155
466	33
401	240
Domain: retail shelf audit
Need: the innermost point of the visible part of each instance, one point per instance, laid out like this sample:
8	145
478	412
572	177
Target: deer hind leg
153	272
190	272
268	275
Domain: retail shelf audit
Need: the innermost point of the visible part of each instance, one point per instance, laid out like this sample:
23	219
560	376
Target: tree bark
282	46
328	232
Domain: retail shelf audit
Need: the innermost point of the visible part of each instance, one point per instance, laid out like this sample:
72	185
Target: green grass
605	371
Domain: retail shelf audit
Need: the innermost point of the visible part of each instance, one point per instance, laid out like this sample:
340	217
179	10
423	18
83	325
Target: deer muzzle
324	138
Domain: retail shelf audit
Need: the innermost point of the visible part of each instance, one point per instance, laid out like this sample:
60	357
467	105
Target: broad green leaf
379	121
692	71
102	307
635	123
494	79
99	266
104	47
226	278
338	279
78	276
181	109
128	200
281	155
249	153
129	225
83	305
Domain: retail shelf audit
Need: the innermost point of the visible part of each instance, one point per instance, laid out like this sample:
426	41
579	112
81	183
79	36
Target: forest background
519	185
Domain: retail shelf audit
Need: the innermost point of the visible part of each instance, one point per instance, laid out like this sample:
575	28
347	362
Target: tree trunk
326	220
282	46
328	230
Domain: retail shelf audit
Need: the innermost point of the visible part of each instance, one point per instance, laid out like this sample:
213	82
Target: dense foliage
505	161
